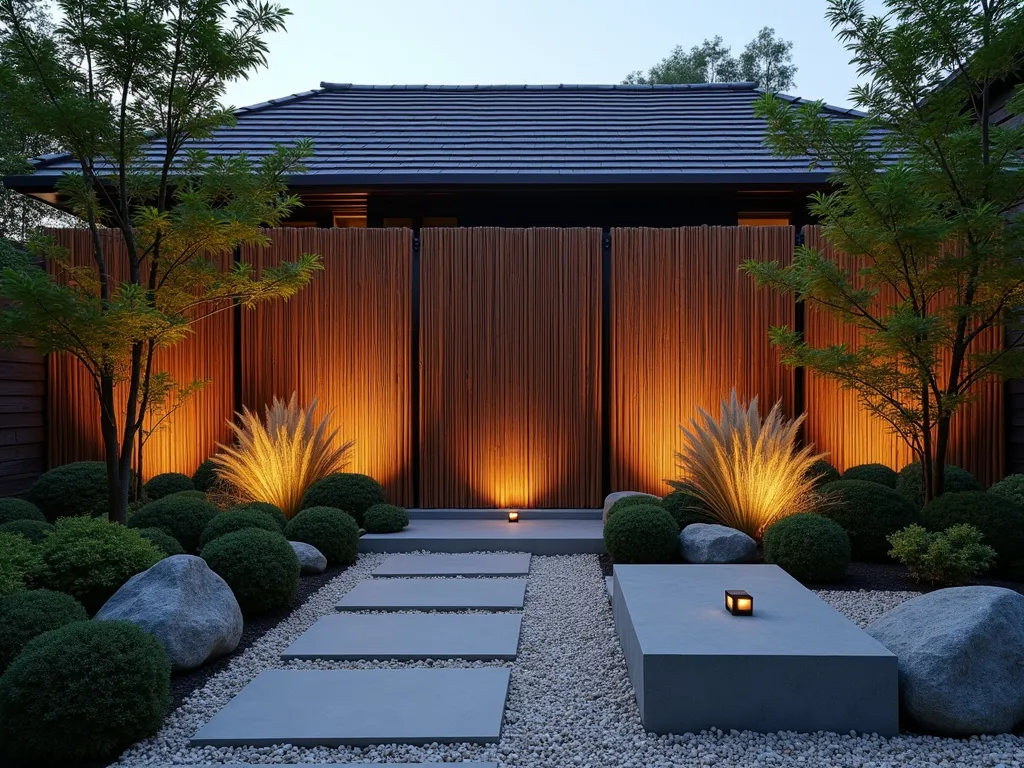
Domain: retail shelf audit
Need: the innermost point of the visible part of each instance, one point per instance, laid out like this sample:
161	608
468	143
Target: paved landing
516	564
435	595
340	765
409	636
362	707
541	537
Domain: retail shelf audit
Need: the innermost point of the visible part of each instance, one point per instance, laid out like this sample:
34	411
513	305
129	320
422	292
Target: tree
766	60
931	209
124	86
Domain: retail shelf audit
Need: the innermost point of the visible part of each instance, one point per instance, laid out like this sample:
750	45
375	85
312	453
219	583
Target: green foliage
205	477
260	566
685	509
28	614
910	482
1011	488
79	488
229	522
347	491
385	518
944	558
83	693
90	559
642	534
872	473
19	509
163	541
183	517
808	547
190	494
823	473
333	532
264	508
630	501
33	530
868	512
167	483
1000	521
19	563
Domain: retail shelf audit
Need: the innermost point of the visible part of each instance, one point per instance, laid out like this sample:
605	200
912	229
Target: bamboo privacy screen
510	362
345	339
190	434
837	423
687	327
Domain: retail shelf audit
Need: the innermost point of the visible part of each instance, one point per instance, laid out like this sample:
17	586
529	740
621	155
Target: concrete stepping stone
435	595
341	765
409	636
516	564
360	707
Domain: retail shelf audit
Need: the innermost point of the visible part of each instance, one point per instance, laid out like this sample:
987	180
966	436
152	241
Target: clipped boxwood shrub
83	692
90	559
385	518
685	509
639	499
33	530
808	547
183	517
167	483
642	534
229	522
872	473
163	541
348	491
823	473
205	477
333	532
1011	488
1000	521
260	566
73	489
265	508
28	614
869	513
19	563
18	509
910	483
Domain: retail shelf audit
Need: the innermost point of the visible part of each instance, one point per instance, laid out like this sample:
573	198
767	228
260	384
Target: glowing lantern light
739	603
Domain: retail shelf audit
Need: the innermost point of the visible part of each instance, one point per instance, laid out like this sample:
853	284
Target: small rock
715	544
311	559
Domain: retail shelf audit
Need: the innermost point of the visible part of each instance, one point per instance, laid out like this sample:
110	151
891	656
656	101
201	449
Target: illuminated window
347	221
764	219
440	221
398	222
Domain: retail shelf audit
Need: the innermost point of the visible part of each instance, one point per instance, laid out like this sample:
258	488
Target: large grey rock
961	658
710	544
311	559
611	498
183	604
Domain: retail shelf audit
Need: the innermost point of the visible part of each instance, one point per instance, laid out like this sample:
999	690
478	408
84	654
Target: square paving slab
360	707
435	595
409	636
797	664
516	564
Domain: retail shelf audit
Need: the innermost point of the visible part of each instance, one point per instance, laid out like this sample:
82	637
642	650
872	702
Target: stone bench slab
359	707
409	636
435	595
516	564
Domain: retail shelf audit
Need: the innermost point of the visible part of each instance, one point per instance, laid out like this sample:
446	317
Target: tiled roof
501	134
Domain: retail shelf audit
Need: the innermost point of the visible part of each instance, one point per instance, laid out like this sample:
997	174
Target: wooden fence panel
22	419
510	358
837	423
686	328
345	340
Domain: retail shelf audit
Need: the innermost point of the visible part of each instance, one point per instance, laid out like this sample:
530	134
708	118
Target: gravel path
570	702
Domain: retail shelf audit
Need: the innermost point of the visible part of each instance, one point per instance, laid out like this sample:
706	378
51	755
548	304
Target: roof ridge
738	86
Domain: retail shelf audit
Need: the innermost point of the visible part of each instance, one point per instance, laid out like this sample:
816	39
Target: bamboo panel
190	434
510	359
686	328
345	340
838	424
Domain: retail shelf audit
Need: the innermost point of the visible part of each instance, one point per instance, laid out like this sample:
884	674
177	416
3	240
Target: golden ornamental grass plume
747	472
278	460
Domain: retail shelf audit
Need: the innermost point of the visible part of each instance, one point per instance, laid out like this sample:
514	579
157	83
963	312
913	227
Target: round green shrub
1010	487
183	517
90	559
869	513
229	522
33	530
205	477
333	532
808	547
83	692
167	483
642	534
348	491
260	566
191	494
19	509
19	563
1000	521
823	473
910	483
385	518
685	509
872	473
163	541
631	501
264	508
72	489
28	614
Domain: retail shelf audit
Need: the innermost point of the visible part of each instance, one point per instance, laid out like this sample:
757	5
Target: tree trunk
927	463
117	497
941	449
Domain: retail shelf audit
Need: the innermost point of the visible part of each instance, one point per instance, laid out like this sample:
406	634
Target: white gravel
570	702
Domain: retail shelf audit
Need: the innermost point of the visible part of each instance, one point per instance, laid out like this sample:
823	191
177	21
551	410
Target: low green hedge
28	614
265	508
642	534
639	499
18	509
385	518
1000	521
167	483
330	530
910	482
872	473
33	530
19	563
229	522
685	509
348	491
163	541
1011	488
869	513
260	566
808	547
823	473
70	490
183	517
205	477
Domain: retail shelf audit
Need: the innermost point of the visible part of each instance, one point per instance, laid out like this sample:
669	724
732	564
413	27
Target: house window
299	224
348	221
764	219
440	221
392	221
